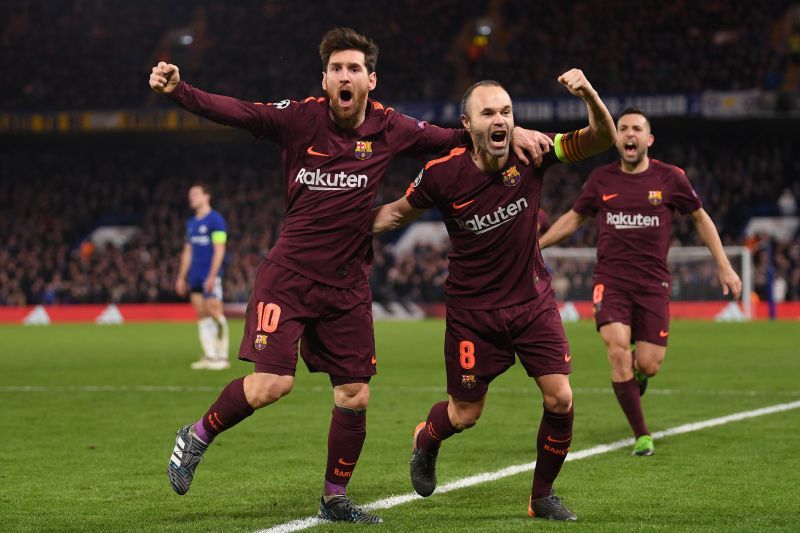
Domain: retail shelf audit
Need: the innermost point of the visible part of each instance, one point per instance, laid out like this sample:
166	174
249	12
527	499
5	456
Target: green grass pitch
89	415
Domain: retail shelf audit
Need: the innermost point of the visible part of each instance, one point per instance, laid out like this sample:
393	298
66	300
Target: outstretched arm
394	215
599	135
708	233
566	225
165	79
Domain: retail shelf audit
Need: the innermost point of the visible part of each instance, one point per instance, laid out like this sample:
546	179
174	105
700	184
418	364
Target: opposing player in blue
201	271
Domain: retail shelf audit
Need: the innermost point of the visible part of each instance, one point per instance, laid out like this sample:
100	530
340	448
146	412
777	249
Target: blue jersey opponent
202	234
200	272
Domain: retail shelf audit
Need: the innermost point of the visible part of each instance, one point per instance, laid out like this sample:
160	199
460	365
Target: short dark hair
203	186
468	92
635	111
339	39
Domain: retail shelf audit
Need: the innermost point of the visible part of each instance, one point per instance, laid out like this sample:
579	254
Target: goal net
694	275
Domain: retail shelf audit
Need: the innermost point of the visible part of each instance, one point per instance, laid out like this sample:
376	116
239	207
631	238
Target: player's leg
214	309
270	341
445	419
341	343
476	350
206	327
552	445
237	401
617	337
541	345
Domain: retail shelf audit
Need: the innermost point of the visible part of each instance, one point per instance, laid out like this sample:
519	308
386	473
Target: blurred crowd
81	54
49	209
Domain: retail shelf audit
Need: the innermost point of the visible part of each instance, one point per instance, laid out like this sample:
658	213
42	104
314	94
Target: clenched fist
576	83
164	78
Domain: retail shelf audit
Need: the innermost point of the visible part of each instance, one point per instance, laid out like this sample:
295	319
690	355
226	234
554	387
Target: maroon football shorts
646	312
479	344
331	328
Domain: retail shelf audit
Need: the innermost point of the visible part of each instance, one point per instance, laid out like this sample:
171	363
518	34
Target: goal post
693	269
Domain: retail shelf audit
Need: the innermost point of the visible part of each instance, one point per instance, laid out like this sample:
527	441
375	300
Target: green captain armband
219	237
568	147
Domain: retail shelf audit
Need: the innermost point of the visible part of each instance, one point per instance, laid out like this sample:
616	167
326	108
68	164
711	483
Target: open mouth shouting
498	138
630	149
346	99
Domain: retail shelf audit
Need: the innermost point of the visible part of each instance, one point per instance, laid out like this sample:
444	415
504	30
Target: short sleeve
421	194
683	198
586	203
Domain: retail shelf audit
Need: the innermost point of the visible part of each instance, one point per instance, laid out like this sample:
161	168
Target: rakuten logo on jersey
481	224
637	221
328	181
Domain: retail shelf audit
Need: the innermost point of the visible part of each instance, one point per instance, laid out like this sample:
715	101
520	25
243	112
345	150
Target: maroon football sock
552	445
345	440
228	410
631	402
437	428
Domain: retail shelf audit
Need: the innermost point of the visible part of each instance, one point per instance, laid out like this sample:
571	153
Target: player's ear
373	80
650	140
465	122
325	81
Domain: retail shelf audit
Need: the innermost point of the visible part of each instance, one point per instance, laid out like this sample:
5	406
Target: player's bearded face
633	138
491	120
347	83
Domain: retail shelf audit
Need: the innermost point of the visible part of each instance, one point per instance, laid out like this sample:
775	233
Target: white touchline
394	501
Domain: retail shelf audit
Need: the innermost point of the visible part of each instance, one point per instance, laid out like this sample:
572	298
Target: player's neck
200	212
635	168
350	123
487	162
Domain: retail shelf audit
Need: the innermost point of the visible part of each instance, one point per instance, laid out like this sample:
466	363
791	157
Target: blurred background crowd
55	190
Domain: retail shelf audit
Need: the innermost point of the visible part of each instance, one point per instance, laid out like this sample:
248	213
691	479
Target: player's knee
465	415
352	395
619	356
267	389
559	401
649	368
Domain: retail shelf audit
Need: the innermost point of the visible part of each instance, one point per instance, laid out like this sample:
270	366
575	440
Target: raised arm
708	233
566	225
165	79
394	215
600	134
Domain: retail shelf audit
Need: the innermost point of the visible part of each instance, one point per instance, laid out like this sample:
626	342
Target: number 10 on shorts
268	316
466	351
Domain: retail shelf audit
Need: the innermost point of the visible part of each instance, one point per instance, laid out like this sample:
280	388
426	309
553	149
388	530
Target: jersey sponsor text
329	181
481	224
632	221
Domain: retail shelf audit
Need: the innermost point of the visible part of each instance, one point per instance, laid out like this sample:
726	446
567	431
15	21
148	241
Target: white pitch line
394	501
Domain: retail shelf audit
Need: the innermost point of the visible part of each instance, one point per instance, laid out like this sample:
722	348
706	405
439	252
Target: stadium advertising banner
709	104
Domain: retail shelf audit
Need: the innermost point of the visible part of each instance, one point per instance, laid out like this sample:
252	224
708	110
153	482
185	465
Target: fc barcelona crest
468	381
654	197
511	177
363	149
261	341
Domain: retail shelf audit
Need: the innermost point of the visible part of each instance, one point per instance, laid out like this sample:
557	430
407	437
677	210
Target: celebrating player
313	285
499	300
201	261
634	201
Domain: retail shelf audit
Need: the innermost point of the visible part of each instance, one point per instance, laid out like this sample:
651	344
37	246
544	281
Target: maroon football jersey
331	175
634	214
491	219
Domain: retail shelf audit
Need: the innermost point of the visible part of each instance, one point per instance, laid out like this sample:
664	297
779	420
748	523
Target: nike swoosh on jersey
607	197
312	152
461	206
